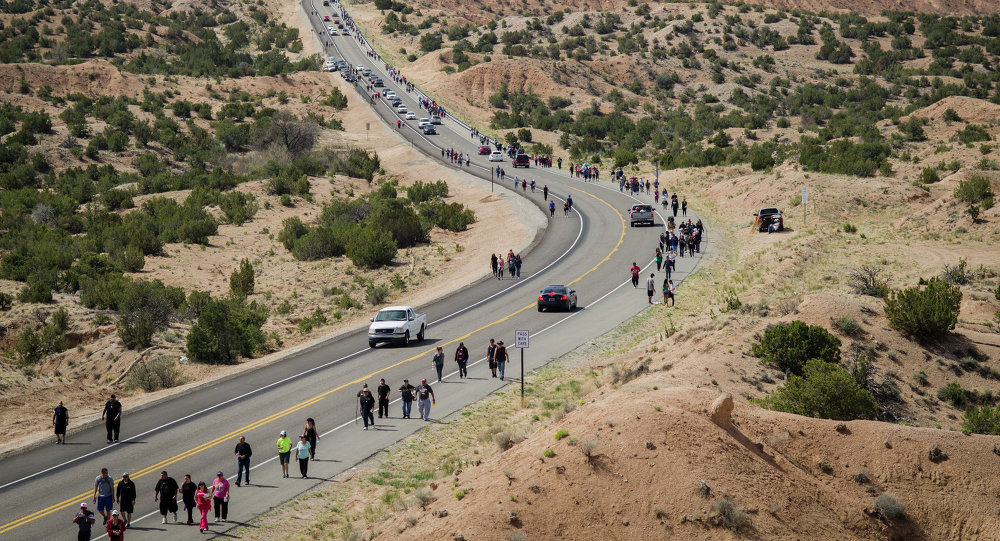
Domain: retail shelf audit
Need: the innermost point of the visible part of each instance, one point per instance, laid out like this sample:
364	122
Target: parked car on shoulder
769	219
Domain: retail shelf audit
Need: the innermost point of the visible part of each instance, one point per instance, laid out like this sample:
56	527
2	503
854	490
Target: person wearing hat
116	527
302	453
220	496
500	356
406	395
367	404
425	398
84	520
165	492
126	494
284	452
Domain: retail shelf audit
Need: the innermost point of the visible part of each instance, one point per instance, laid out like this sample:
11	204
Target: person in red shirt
635	274
116	527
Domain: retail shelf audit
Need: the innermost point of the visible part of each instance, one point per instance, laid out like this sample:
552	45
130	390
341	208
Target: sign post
368	127
521	342
805	200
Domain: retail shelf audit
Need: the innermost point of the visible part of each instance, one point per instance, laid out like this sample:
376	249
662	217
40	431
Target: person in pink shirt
220	495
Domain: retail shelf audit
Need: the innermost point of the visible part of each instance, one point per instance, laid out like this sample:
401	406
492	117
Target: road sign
521	339
805	195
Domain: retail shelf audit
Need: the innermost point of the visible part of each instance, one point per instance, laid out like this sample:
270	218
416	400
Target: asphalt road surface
591	250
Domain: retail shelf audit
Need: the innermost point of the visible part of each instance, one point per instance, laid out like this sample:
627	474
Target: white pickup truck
396	324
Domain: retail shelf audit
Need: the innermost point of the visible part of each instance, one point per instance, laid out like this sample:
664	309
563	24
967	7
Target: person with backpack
500	357
425	399
406	395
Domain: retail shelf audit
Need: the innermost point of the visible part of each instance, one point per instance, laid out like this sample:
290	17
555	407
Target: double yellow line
302	405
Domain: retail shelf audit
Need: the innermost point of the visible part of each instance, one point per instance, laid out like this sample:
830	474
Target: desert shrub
154	374
929	175
291	229
346	302
241	281
356	163
376	294
973	133
227	330
130	258
430	41
850	228
35	291
6	300
956	274
823	390
924	313
725	513
117	199
287	131
450	216
867	280
589	449
505	439
973	190
423	191
371	248
288	182
238	207
982	420
847	325
787	346
336	99
952	393
323	241
888	507
29	348
399	219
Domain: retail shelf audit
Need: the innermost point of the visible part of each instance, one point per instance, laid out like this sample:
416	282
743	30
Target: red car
326	17
484	150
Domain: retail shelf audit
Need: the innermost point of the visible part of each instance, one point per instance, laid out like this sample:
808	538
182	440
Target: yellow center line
306	403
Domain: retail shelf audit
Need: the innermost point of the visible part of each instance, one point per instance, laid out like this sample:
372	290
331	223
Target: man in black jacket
383	398
125	492
112	416
462	358
243	452
367	403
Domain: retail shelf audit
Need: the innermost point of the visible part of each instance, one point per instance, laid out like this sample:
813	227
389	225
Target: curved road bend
41	488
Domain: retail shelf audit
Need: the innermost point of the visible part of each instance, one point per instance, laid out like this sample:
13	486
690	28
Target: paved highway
41	488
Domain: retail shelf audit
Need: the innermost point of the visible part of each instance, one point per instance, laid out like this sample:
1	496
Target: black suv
522	160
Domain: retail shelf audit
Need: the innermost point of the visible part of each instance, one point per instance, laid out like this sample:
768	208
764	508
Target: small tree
371	247
788	346
925	313
824	390
973	212
29	348
241	281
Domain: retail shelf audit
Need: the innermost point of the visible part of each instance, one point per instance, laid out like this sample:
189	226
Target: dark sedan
560	297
